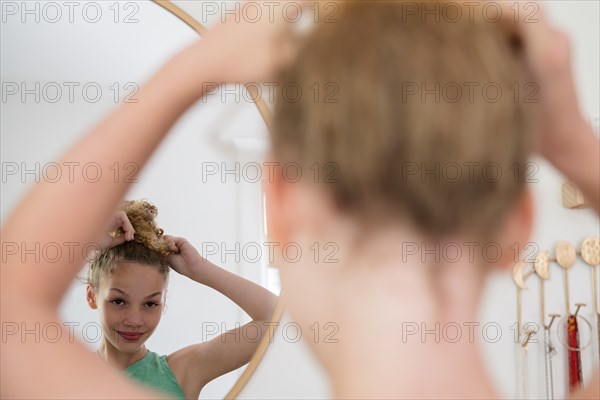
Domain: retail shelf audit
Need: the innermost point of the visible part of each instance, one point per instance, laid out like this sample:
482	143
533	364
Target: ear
90	296
274	187
516	232
298	211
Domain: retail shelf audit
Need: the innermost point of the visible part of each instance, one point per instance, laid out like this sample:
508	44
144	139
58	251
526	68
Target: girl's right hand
119	230
251	45
547	54
563	135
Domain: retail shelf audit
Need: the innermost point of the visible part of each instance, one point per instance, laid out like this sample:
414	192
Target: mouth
130	336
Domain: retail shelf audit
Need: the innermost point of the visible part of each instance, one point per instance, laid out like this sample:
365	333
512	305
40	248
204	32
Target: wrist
200	271
566	155
190	74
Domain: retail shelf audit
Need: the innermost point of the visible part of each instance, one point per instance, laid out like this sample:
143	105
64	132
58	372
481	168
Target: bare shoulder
188	368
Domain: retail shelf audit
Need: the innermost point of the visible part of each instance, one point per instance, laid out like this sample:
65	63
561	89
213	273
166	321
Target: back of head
415	126
148	246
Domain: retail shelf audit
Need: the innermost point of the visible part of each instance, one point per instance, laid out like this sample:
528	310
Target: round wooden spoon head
542	264
565	254
518	275
590	251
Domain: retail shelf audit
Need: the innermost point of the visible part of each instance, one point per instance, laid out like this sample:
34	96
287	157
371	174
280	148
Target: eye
151	304
118	302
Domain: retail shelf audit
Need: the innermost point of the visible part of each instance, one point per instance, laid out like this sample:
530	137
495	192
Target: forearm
255	300
579	160
71	213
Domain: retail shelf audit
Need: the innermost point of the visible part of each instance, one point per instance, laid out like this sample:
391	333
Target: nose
133	319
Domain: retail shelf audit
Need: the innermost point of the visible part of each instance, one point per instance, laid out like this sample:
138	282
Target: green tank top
153	371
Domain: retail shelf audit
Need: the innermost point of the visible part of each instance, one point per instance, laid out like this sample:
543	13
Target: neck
444	274
426	372
415	334
400	310
118	359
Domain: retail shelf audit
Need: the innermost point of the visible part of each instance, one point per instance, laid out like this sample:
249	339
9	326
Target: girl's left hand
118	231
185	259
244	50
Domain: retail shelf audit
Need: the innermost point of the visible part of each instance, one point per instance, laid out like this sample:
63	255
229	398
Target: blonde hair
148	246
371	133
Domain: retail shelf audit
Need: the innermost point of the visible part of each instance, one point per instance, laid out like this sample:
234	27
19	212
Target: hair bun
142	214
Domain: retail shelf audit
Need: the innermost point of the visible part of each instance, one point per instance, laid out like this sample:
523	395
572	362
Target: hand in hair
185	259
564	138
252	50
119	230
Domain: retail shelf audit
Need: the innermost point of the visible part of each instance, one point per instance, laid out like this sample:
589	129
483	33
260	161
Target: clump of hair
148	246
382	141
142	216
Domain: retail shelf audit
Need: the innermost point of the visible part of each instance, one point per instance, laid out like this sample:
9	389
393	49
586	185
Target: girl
392	211
128	283
376	287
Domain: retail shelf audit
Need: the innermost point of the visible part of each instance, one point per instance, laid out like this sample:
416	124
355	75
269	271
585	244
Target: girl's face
130	301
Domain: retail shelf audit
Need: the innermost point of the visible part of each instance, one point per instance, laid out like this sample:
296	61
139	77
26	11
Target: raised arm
565	139
255	300
69	215
201	363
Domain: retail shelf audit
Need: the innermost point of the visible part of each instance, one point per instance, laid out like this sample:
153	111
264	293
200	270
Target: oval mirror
65	66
